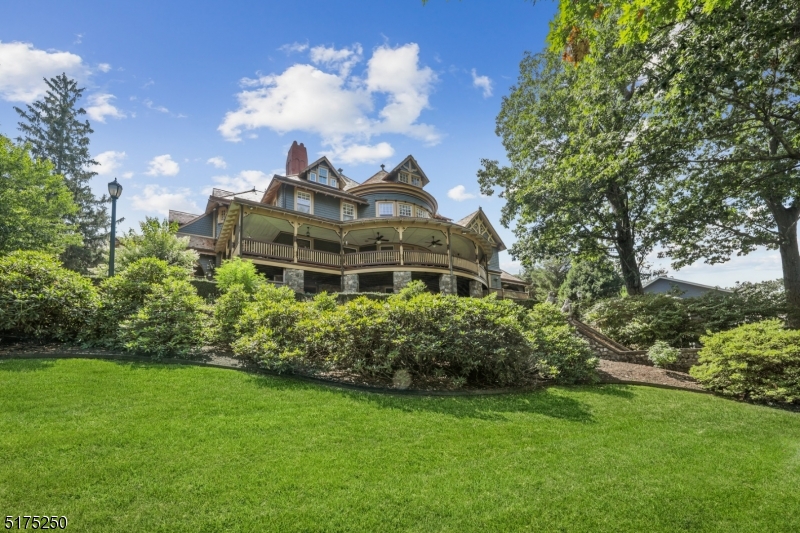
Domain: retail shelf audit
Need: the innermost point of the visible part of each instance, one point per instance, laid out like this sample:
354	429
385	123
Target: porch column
475	289
239	233
294	278
295	225
449	252
400	233
350	282
477	260
448	284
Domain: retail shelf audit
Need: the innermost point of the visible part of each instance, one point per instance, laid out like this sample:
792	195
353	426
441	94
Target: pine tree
54	131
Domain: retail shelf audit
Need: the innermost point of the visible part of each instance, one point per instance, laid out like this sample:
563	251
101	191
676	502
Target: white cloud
482	82
127	175
361	153
100	107
108	162
342	60
218	162
326	99
294	47
23	67
162	165
244	180
150	105
158	199
104	67
459	194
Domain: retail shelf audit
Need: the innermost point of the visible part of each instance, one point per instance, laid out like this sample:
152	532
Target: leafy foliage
236	271
662	354
594	280
53	130
41	299
171	323
546	276
228	310
124	294
641	321
34	203
158	240
462	340
758	362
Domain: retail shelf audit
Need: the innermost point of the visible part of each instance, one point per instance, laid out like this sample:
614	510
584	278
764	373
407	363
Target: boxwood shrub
40	299
759	362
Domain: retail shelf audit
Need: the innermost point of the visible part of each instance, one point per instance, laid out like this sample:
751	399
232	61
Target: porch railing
416	257
318	257
385	257
465	264
268	249
511	295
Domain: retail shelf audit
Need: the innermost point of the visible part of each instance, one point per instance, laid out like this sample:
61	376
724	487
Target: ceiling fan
379	239
434	243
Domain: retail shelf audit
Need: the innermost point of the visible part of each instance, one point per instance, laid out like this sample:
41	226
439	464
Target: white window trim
418	181
310	194
341	210
333	182
312	177
400	205
378	209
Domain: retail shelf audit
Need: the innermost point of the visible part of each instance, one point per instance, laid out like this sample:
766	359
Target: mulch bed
609	371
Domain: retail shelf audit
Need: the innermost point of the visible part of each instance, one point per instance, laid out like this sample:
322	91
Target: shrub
124	294
41	299
228	310
238	272
759	362
593	279
170	324
560	355
662	354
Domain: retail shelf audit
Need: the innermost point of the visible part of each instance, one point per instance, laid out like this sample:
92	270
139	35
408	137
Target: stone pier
294	279
475	289
350	282
448	285
401	279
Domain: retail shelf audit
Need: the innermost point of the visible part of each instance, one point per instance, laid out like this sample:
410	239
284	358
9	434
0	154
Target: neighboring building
687	289
316	229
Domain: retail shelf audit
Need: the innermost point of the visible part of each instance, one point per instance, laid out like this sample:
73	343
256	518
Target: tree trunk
624	240
786	220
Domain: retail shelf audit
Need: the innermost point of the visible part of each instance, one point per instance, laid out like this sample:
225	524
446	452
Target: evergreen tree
54	131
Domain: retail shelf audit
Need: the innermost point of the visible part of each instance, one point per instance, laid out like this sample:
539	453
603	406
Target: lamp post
115	191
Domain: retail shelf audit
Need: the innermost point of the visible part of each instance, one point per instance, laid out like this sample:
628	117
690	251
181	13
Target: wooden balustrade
384	257
318	257
416	257
509	294
465	264
268	249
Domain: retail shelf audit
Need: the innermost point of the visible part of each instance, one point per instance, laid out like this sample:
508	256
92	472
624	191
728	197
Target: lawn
147	447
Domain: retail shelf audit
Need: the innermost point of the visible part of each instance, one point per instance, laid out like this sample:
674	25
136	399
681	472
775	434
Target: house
687	289
316	229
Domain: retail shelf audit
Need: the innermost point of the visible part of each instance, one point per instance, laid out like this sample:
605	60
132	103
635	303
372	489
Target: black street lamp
115	191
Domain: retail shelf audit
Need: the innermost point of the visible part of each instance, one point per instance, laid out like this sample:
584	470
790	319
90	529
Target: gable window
348	212
404	210
385	209
323	176
312	176
421	213
403	177
303	202
334	183
416	181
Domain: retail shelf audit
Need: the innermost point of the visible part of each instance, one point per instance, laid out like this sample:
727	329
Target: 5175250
36	522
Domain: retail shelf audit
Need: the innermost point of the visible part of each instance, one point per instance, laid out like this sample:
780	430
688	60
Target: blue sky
185	96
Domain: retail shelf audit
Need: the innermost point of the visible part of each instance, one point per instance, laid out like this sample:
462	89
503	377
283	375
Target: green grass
141	447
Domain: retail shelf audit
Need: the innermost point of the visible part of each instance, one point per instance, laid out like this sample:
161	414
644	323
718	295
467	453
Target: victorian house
316	229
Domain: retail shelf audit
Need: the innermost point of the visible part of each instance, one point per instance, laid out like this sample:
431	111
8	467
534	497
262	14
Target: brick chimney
297	159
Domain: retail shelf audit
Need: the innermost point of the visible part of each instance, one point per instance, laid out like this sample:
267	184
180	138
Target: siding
665	285
203	226
286	197
494	261
326	206
494	281
368	211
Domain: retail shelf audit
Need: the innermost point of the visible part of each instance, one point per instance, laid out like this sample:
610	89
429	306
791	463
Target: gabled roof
511	278
396	169
322	159
377	177
348	183
469	219
316	187
693	284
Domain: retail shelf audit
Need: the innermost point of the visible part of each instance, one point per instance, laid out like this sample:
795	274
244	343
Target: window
387	248
312	176
221	215
385	209
416	181
334	183
349	250
303	202
323	176
421	213
303	243
405	210
348	212
403	177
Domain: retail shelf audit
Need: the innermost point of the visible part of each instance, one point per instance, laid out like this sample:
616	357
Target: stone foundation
475	289
294	279
350	282
401	279
448	285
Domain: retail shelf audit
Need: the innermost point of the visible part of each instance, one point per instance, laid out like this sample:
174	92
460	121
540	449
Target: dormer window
334	183
402	177
416	181
312	176
323	176
421	213
404	210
